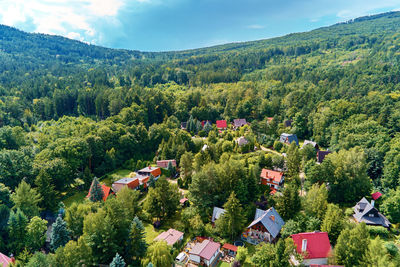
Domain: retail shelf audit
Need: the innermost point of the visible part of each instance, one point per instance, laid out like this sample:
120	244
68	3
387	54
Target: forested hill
71	113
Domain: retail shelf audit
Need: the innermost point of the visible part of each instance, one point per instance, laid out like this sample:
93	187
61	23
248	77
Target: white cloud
72	18
256	26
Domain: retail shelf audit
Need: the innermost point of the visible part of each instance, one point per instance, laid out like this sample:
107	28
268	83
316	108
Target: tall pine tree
137	241
231	223
96	191
60	235
17	224
46	190
118	261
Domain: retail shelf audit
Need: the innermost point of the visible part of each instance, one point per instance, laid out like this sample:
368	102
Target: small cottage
217	212
222	125
206	252
288	138
311	143
273	179
265	227
237	123
367	213
164	163
321	155
132	183
4	260
171	236
315	248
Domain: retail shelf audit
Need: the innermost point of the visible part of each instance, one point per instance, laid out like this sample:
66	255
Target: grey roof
273	226
362	211
239	122
125	180
290	137
217	212
308	142
321	155
241	141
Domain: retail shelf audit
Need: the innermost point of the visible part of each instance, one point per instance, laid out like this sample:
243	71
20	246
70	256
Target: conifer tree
207	127
171	169
152	181
17	224
230	224
60	235
46	190
137	240
96	191
118	261
288	204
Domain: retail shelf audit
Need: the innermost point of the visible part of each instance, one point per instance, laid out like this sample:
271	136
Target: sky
165	25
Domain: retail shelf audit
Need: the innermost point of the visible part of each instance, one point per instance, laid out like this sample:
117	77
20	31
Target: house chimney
149	167
373	203
304	245
272	217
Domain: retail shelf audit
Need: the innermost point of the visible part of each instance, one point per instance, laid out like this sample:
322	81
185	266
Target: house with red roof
106	192
274	179
132	183
171	236
4	260
314	247
206	252
229	249
222	125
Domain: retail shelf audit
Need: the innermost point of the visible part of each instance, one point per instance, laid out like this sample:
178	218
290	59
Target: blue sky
161	25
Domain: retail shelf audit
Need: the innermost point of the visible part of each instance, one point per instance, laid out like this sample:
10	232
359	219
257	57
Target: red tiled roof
230	247
106	191
4	260
376	195
318	245
269	174
222	124
273	191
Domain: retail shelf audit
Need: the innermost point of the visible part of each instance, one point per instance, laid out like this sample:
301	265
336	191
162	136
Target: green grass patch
223	264
78	197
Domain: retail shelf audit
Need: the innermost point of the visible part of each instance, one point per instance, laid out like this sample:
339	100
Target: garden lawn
78	197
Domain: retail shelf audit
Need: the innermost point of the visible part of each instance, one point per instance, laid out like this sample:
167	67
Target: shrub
378	230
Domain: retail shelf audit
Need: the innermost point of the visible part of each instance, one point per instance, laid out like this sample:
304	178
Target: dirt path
270	150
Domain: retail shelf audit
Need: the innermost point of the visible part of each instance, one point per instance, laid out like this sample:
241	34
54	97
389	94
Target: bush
378	230
349	212
278	146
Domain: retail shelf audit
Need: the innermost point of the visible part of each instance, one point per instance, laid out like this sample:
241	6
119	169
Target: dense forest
71	111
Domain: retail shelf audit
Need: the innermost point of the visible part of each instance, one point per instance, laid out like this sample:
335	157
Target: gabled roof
321	155
4	260
217	212
205	249
317	246
106	192
362	210
205	122
271	220
290	138
171	236
376	195
239	122
241	141
308	142
270	174
221	124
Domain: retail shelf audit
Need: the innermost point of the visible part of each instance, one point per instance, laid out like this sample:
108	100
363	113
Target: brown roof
171	236
270	174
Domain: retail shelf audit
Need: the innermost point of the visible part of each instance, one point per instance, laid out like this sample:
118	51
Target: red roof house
315	247
376	195
230	249
131	183
222	125
4	260
272	178
164	163
106	192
